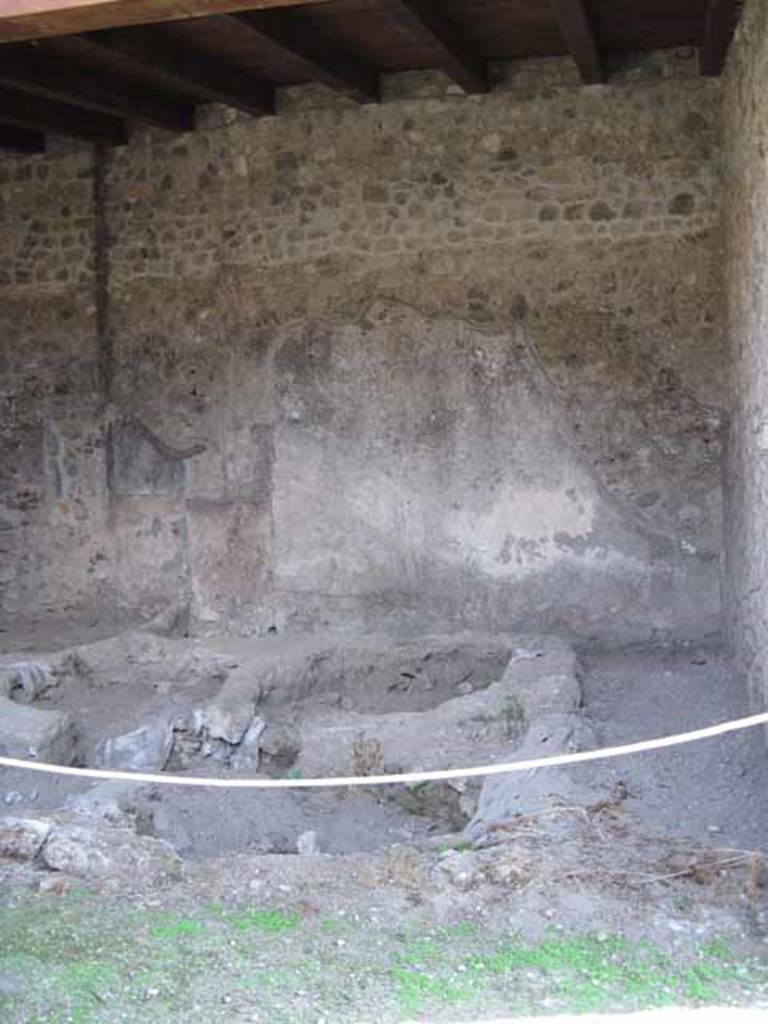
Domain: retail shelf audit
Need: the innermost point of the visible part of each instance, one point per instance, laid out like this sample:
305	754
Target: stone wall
746	219
54	555
443	360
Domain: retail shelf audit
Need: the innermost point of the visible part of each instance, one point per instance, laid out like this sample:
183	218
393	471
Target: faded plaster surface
746	217
441	362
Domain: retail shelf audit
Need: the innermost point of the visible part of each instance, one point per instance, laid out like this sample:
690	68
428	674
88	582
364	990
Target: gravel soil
715	790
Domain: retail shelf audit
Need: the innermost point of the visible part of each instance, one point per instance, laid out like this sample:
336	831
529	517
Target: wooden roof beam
721	20
211	80
577	31
21	110
36	69
281	38
35	19
425	21
19	140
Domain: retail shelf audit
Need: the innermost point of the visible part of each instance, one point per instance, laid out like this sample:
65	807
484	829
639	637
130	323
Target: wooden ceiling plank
577	31
284	38
34	19
36	69
426	22
21	110
20	140
721	20
212	80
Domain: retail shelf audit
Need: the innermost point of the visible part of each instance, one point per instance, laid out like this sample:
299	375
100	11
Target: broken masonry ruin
314	424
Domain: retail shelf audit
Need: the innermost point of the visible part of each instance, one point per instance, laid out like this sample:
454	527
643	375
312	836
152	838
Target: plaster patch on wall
524	528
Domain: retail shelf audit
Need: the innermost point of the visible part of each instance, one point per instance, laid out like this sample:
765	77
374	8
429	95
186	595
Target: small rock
32	678
307	845
22	838
461	870
247	755
281	744
492	143
507	870
220	721
13	797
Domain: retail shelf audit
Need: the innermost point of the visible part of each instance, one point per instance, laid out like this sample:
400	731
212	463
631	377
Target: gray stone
281	744
601	211
115	854
542	673
32	678
74	851
27	732
307	844
246	756
145	749
22	838
224	720
530	792
682	205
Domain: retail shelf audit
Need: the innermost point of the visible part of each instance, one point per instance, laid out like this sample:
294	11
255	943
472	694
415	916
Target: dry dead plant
367	758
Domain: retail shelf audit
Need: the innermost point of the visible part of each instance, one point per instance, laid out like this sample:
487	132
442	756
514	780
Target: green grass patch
170	927
96	960
580	974
268	922
513	714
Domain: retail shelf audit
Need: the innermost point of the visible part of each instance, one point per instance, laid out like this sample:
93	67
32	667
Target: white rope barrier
403	778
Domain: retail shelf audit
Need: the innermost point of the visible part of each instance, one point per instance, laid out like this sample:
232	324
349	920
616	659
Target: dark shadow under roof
59	76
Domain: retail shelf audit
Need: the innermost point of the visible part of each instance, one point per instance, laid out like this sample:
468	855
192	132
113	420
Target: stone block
27	732
111	854
145	749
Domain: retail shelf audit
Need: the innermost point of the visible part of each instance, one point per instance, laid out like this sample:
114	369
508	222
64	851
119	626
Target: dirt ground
714	791
651	893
